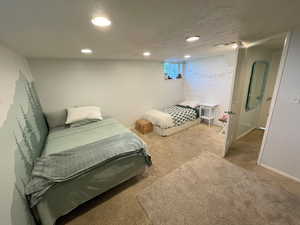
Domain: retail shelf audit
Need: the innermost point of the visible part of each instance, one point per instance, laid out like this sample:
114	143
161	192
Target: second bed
174	118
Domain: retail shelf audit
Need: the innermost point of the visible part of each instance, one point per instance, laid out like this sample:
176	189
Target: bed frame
169	131
67	196
63	197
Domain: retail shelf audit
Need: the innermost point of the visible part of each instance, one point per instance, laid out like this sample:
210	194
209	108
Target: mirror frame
251	80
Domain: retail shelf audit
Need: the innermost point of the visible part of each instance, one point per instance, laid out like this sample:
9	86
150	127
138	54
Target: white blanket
159	118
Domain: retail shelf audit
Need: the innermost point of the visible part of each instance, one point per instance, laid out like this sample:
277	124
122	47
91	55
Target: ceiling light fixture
192	39
147	53
101	21
220	45
86	51
187	56
235	45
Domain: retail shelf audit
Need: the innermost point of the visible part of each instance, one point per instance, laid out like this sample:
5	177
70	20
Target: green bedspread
61	139
71	152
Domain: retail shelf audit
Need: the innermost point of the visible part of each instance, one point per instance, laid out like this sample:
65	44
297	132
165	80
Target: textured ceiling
60	28
274	44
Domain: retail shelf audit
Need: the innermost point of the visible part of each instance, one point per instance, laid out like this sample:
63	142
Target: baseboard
245	133
280	172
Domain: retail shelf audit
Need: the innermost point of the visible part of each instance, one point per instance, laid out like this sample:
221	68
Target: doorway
253	90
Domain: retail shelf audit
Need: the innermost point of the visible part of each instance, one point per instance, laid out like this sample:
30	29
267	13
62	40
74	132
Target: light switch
295	100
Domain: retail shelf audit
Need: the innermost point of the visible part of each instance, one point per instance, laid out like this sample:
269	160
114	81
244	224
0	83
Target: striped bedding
172	116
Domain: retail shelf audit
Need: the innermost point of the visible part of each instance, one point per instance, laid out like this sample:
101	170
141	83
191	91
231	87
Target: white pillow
192	104
77	114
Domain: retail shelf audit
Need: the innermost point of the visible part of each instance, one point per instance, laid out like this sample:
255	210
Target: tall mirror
257	84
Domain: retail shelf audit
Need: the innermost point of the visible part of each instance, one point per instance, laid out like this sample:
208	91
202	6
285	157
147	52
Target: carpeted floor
245	151
120	206
209	190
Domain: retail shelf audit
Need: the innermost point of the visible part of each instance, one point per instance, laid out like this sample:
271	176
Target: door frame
232	91
275	91
281	68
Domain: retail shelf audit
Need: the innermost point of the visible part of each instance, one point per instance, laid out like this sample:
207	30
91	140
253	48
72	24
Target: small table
143	126
208	112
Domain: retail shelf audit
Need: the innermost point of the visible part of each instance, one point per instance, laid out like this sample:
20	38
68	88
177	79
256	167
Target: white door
234	104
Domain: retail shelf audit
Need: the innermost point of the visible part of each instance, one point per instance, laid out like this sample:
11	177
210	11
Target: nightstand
143	126
208	112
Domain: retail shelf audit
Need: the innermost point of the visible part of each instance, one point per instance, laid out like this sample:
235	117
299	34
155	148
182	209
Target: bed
174	118
82	162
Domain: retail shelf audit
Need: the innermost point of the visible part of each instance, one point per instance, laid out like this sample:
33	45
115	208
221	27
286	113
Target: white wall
123	89
209	80
282	142
10	64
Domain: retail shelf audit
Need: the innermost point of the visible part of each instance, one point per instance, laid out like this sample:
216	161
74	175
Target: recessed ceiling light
101	21
147	53
192	38
187	56
86	51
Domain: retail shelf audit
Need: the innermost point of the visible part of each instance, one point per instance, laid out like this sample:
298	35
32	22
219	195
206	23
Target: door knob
230	112
269	99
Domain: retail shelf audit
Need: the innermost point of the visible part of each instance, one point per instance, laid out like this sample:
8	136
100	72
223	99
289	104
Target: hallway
245	151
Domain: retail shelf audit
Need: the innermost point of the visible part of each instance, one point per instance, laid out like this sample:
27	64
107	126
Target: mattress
172	130
173	116
65	195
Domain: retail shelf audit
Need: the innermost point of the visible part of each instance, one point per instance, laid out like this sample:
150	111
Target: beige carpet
120	205
211	191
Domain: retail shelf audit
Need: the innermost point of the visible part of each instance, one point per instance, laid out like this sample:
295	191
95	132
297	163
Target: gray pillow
56	119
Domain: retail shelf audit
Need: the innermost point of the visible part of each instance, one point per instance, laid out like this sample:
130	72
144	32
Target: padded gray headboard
31	122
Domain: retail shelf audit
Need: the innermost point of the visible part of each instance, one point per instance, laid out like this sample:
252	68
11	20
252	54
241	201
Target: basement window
173	71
